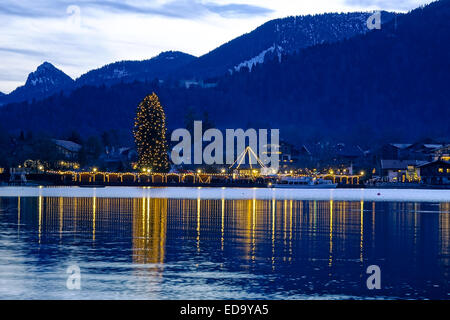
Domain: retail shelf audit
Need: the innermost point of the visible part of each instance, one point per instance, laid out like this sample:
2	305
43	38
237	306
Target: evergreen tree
150	135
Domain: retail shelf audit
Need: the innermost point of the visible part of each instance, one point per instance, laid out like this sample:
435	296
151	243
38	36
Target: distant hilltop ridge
43	82
160	67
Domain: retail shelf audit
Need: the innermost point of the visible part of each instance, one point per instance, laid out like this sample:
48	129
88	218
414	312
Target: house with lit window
394	151
288	153
401	170
118	159
424	150
68	149
435	173
442	153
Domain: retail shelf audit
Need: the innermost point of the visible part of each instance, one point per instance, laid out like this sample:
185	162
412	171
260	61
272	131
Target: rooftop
400	164
68	145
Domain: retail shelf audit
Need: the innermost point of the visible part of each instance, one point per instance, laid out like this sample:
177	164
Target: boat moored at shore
304	183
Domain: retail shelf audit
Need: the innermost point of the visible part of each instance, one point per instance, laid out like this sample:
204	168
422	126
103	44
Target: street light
94	169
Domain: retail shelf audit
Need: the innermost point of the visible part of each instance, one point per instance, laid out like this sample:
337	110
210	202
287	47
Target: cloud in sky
79	35
398	5
173	9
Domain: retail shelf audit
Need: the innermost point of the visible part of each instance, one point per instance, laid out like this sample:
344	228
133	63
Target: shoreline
232	193
46	183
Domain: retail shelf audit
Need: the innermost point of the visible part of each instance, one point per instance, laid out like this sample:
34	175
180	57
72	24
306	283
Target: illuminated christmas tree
150	135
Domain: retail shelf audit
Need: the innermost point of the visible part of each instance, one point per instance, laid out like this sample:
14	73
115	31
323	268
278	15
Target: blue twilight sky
79	35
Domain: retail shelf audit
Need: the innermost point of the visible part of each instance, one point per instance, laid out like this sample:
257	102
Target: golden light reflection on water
149	230
61	214
330	262
40	218
444	235
94	211
361	243
198	224
222	228
281	229
18	216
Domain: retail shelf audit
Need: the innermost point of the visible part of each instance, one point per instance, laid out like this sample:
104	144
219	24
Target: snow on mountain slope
291	34
260	58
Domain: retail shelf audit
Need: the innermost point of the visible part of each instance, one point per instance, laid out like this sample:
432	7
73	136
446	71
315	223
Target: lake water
194	243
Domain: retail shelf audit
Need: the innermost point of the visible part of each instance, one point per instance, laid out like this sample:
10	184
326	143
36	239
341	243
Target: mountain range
277	38
43	82
161	66
388	84
271	40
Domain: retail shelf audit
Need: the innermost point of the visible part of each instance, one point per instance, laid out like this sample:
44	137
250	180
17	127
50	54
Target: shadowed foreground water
146	248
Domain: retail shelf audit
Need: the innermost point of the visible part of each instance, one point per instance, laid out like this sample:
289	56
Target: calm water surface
158	248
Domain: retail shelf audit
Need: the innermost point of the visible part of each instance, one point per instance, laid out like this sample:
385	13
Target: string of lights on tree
150	135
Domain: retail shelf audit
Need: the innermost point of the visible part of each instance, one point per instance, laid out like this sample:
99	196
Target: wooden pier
188	178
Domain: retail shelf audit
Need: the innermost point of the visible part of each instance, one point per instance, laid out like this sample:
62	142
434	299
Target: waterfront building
435	173
400	170
394	151
442	153
68	149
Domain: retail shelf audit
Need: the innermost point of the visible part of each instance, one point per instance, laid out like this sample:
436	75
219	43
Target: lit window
448	170
441	170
